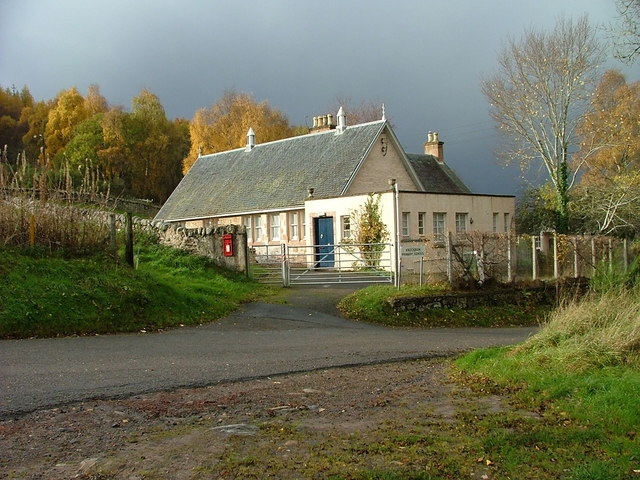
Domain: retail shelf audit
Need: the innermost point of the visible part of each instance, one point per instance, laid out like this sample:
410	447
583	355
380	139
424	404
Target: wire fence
480	257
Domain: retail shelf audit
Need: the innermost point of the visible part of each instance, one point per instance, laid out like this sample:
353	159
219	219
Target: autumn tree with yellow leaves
607	200
224	125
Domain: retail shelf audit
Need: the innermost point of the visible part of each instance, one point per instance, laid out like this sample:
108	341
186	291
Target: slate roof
272	175
276	175
435	176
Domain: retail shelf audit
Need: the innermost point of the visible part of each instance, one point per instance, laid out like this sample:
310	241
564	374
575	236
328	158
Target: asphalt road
261	340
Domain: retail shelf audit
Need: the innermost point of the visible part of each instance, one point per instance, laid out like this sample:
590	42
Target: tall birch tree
538	97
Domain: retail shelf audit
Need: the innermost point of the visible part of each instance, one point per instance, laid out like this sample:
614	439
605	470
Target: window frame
247	222
439	225
274	226
294	225
345	227
257	227
422	217
406	224
462	221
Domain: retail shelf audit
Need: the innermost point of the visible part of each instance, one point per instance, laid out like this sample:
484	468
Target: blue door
323	228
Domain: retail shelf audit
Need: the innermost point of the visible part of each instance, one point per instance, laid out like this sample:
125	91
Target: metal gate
323	264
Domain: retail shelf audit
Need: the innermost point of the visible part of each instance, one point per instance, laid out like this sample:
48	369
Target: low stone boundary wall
547	294
203	241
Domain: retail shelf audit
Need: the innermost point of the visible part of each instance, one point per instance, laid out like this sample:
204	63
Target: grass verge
582	374
44	296
371	305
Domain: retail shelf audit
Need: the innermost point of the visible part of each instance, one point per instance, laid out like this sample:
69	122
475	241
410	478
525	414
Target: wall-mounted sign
413	251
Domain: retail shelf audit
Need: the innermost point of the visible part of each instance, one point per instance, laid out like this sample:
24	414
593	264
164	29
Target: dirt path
332	422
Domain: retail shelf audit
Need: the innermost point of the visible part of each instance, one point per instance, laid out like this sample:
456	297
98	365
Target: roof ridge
324	132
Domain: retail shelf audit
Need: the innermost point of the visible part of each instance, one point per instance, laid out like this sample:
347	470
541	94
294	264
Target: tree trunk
562	197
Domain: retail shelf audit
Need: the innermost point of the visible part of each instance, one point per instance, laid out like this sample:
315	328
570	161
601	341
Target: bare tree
539	95
361	113
610	207
626	34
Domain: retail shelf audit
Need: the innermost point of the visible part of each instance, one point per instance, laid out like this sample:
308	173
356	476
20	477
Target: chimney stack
434	146
322	123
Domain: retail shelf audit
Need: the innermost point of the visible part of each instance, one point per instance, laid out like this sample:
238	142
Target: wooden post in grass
534	259
610	254
625	254
556	264
593	256
128	229
32	230
113	246
449	258
576	267
509	259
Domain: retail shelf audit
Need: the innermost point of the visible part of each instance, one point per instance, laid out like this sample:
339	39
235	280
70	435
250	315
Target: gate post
285	265
449	258
534	259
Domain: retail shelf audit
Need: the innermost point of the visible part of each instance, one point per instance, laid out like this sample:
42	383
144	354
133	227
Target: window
438	225
304	226
405	223
507	222
346	227
461	222
257	226
247	226
421	222
293	224
495	222
274	226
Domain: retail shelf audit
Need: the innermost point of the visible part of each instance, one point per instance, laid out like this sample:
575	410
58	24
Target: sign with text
413	251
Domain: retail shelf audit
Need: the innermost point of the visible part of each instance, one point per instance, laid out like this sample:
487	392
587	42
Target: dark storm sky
423	59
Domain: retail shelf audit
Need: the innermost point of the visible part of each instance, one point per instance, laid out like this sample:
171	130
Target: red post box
227	245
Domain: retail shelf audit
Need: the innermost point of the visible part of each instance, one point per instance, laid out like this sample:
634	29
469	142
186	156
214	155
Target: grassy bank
45	296
371	305
581	373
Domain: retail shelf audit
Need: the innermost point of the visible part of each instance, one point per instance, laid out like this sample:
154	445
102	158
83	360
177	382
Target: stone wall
545	294
466	300
203	241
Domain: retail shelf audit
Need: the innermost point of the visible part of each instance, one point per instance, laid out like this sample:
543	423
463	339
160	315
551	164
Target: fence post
593	256
625	254
32	230
610	254
509	258
556	265
128	228
575	257
285	265
449	259
534	259
113	246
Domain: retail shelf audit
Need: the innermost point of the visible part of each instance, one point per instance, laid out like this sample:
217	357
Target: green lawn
46	296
